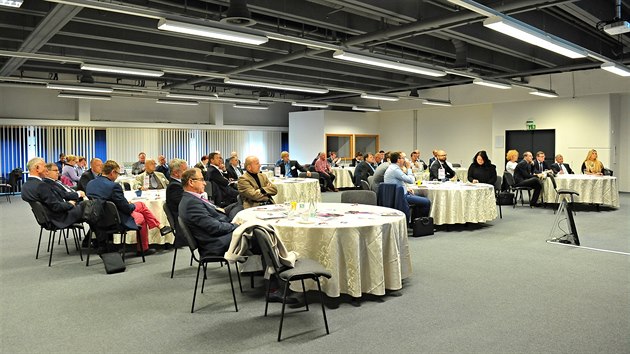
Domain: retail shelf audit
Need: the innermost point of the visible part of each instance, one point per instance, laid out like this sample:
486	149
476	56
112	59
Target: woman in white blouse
511	158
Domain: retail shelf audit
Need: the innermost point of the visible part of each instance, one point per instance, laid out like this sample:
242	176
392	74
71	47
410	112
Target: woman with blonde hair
592	166
511	158
70	171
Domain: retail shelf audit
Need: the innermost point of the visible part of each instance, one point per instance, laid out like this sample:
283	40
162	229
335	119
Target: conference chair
497	191
391	195
10	187
562	192
304	269
41	215
358	197
365	186
202	262
373	186
172	222
518	191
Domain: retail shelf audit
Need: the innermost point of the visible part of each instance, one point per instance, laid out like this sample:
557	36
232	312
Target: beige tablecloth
153	199
593	189
459	203
461	172
343	178
366	251
297	190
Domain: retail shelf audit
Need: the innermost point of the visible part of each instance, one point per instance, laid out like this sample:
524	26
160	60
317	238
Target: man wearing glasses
441	163
104	187
65	192
395	175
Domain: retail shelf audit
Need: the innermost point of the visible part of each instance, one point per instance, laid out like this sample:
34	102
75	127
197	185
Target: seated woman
592	166
511	158
481	170
70	171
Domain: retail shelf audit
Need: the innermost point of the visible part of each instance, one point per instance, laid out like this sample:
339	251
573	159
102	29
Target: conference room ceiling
45	40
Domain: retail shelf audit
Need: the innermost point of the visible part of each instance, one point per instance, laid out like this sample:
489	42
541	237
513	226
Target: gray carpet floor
490	288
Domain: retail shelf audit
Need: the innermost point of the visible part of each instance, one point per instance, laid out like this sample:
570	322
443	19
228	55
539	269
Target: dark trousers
327	180
534	183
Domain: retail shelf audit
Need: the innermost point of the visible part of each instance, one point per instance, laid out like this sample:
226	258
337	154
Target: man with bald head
96	167
254	187
157	180
440	163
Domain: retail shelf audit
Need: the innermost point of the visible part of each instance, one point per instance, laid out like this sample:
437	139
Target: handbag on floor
113	262
423	226
506	198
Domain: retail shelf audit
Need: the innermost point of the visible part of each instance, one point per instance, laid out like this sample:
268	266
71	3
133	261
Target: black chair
203	263
607	172
304	269
365	185
562	191
41	215
359	197
110	224
172	222
10	187
497	191
126	186
518	191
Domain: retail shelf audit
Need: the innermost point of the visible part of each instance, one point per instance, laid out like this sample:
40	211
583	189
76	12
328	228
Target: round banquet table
460	172
297	190
459	203
364	247
153	199
343	178
593	189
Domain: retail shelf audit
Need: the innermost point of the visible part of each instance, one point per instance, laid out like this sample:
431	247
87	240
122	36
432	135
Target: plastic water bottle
312	210
276	171
145	184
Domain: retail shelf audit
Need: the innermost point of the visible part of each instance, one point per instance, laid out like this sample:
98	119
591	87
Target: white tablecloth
364	247
153	199
461	172
459	203
297	190
343	179
593	189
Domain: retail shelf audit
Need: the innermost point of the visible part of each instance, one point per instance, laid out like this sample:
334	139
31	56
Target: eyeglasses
116	172
197	179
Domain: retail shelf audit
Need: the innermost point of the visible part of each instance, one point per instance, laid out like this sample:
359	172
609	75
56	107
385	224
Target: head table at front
364	247
593	189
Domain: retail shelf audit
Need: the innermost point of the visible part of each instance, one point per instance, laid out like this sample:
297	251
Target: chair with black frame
358	197
365	185
562	191
110	224
41	215
10	187
202	262
497	192
126	186
171	221
304	269
518	191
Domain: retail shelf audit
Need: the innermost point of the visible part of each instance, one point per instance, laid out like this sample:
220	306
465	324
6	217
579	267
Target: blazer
555	167
163	169
435	167
65	194
232	173
536	166
174	192
61	213
211	229
294	166
523	171
161	180
222	193
251	194
362	172
86	177
202	167
102	188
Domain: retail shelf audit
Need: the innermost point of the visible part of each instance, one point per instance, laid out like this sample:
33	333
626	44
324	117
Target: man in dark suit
364	169
524	176
131	214
96	167
559	167
540	165
438	163
61	213
174	192
210	228
162	167
293	167
66	193
234	171
223	192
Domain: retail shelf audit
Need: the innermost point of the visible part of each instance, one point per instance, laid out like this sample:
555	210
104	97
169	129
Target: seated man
254	187
138	166
364	170
62	213
559	167
333	160
540	165
234	171
162	167
379	172
395	175
65	192
210	228
358	157
525	177
150	178
224	192
417	164
174	192
325	172
441	163
96	167
290	168
131	214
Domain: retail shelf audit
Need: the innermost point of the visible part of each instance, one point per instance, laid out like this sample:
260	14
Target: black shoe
165	230
168	246
276	296
147	252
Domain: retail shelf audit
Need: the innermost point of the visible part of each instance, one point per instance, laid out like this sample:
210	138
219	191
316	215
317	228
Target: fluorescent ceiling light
250	106
192	97
389	64
617	69
178	102
212	32
11	3
309	104
366	109
55	86
494	84
544	93
534	36
373	96
121	70
84	96
236	99
437	103
309	89
303	41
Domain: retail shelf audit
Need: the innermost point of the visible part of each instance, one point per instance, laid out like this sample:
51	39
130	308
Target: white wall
306	135
26	103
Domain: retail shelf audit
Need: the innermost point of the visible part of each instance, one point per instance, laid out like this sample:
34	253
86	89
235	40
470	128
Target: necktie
287	170
153	181
540	166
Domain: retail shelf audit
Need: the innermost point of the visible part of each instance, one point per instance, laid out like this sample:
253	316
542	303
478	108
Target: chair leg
123	244
52	244
304	292
232	285
284	304
139	241
321	294
529	197
41	229
77	242
192	309
64	234
267	296
238	274
174	258
89	235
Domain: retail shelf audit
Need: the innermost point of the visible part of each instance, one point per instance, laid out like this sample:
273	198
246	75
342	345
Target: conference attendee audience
211	229
540	165
174	192
417	164
233	154
203	164
224	193
379	172
441	163
325	172
254	187
96	166
524	176
591	165
395	175
150	178
559	167
69	175
358	157
364	169
66	193
482	170
81	165
511	163
138	166
333	159
62	213
104	187
379	158
290	168
433	158
233	169
162	167
61	162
